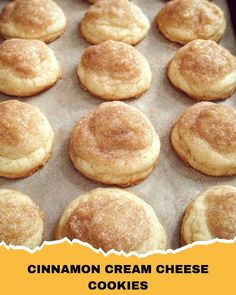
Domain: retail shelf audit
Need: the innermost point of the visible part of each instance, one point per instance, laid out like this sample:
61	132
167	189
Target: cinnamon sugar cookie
114	71
27	67
204	70
115	144
112	219
211	215
21	220
26	139
32	19
119	20
205	137
185	20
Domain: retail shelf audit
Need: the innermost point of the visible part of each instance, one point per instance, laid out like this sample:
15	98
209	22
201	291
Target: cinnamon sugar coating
211	215
88	223
32	19
114	144
185	20
27	67
114	71
112	219
23	56
119	20
22	128
26	139
221	214
112	9
115	130
205	137
21	221
205	62
204	70
26	14
213	123
116	59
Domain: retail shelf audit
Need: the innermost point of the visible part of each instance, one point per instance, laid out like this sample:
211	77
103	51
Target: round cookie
211	215
182	21
110	218
204	70
114	71
205	137
32	19
21	220
118	20
115	144
26	139
27	67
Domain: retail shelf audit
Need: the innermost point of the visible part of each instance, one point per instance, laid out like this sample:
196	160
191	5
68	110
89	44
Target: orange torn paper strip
64	267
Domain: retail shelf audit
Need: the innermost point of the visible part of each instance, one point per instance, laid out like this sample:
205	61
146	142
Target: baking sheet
172	185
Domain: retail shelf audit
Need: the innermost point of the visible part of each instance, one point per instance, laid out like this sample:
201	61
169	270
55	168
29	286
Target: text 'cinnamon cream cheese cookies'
112	219
211	215
21	220
26	139
185	20
205	137
114	71
27	67
32	19
204	70
115	144
119	20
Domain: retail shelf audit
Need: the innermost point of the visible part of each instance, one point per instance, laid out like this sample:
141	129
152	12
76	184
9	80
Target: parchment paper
172	185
